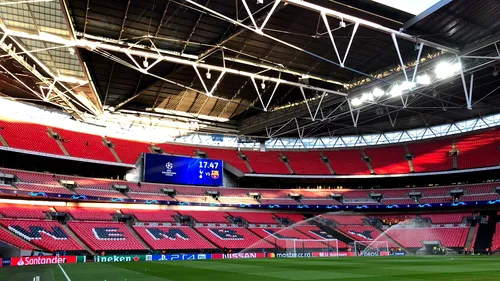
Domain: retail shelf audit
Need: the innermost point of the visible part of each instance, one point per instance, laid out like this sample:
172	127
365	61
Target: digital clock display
170	169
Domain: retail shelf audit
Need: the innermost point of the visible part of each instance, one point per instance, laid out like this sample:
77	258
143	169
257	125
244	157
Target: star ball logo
169	172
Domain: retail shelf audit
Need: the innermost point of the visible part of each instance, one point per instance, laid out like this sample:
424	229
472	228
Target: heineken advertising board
124	258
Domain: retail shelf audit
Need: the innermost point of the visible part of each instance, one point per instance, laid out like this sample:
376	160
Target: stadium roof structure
264	68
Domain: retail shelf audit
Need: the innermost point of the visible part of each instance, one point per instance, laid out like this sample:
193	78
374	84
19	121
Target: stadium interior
340	124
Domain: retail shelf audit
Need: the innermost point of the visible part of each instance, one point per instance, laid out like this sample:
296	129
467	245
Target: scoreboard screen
169	169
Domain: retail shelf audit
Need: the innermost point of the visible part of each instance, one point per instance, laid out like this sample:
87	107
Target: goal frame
294	245
358	251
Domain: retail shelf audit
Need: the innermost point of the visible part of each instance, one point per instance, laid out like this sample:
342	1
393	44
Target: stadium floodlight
423	79
356	102
367	97
445	69
407	85
396	91
208	75
377	92
145	63
263	85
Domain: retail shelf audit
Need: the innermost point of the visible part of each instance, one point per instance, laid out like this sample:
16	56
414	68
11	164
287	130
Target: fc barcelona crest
215	174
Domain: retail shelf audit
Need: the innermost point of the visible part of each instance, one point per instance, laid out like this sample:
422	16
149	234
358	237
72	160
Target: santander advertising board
42	260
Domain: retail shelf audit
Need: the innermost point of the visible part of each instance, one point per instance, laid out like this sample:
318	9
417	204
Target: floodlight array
443	70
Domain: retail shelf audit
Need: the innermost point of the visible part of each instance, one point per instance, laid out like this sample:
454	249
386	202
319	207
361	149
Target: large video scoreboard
170	169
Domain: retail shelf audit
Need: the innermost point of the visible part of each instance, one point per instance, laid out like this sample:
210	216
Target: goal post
302	247
371	248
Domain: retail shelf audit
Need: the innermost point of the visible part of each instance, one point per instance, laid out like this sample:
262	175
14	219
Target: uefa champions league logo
169	172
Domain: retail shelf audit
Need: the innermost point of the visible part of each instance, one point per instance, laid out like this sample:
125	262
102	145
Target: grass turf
476	268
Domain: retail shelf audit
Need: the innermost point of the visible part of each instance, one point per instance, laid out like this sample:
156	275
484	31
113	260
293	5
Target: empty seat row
475	150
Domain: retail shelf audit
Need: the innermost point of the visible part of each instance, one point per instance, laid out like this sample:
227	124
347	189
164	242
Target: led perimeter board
170	169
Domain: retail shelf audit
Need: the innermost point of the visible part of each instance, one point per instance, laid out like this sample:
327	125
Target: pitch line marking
64	272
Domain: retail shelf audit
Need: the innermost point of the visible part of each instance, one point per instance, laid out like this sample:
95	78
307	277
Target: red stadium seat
388	160
44	188
23	211
233	238
307	163
89	214
292	217
360	232
152	215
228	155
13	240
355	165
479	150
85	145
128	150
100	193
110	236
178	149
431	155
345	219
495	243
149	196
252	217
413	237
173	238
316	233
446	218
48	235
29	136
475	150
206	217
266	162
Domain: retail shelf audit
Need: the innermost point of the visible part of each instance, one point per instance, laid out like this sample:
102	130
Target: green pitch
314	269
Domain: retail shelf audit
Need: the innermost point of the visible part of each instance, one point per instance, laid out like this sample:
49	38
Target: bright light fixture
208	75
396	91
423	79
356	102
407	85
445	69
367	97
378	92
410	6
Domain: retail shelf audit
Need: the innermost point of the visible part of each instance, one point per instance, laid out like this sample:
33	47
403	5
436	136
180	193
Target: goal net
371	248
305	247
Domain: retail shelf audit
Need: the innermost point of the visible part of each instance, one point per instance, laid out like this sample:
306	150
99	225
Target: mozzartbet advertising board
170	169
24	261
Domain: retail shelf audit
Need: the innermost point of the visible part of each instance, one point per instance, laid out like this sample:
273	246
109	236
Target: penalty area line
64	272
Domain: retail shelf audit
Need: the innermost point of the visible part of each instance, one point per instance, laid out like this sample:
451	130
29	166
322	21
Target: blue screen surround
170	169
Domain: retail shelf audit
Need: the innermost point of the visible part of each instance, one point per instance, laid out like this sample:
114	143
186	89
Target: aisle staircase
485	232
